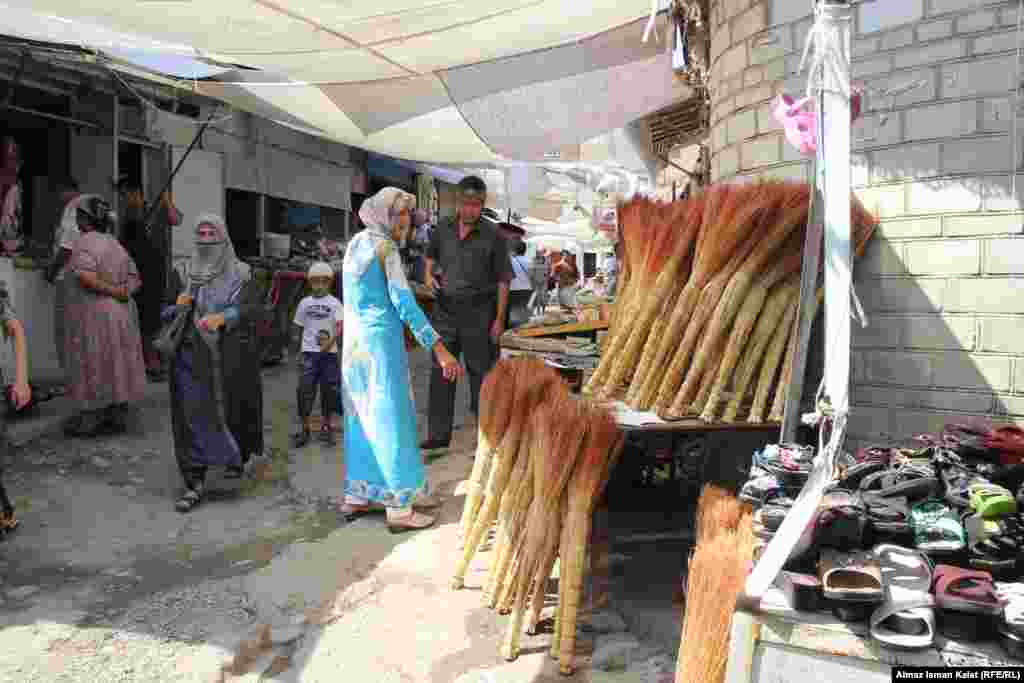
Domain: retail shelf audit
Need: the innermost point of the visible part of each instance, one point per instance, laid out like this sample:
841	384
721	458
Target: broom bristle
716	575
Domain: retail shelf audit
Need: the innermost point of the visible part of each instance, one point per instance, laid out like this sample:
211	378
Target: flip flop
850	577
995	544
991	500
840	520
936	529
906	619
966	590
414	521
1013	612
912	480
887	515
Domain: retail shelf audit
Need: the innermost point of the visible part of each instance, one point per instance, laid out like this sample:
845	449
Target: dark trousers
320	370
518	311
465	331
5	446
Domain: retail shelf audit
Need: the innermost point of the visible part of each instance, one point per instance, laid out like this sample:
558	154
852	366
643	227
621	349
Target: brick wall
942	280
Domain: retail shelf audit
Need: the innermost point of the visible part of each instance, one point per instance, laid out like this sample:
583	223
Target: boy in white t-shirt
320	317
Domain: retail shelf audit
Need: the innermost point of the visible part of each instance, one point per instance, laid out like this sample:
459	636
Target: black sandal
189	500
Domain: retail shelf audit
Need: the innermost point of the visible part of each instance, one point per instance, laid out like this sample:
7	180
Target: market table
793	647
588	328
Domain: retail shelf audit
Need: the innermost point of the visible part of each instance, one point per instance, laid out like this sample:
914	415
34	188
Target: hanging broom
776	211
769	325
551	474
604	445
533	380
546	566
784	267
496	394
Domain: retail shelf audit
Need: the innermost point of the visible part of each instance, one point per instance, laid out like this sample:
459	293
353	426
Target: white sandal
411	521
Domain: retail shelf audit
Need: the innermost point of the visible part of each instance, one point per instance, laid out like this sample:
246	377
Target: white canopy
458	82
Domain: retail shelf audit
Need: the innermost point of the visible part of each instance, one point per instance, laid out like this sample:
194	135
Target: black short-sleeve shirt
471	267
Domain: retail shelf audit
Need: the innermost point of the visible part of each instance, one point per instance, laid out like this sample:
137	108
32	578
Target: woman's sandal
189	500
413	521
8	523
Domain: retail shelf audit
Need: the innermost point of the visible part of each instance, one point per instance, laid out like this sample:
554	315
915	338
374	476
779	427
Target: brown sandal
414	521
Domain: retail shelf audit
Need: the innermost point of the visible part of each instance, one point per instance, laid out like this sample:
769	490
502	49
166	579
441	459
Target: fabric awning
458	82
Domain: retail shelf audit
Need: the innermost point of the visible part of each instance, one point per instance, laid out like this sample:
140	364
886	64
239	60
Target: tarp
458	82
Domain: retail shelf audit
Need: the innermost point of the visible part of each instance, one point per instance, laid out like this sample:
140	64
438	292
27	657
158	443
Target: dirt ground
104	581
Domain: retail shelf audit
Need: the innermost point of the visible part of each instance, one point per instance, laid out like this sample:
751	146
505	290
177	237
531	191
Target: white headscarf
378	214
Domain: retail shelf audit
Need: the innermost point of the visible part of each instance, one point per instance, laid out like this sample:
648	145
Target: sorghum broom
678	214
637	237
783	210
772	359
665	264
516	499
546	566
533	380
720	256
738	338
769	325
716	575
496	394
550	476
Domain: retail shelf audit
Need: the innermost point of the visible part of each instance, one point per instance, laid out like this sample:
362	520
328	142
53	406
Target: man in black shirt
472	285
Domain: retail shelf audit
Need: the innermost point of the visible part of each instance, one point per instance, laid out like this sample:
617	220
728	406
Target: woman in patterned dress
382	460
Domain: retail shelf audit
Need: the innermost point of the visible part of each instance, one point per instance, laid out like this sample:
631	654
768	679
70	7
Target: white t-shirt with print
318	315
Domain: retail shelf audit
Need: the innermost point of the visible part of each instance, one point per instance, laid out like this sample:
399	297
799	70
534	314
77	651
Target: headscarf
213	268
378	214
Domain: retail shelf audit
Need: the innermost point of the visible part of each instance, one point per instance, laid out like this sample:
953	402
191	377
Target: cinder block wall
943	280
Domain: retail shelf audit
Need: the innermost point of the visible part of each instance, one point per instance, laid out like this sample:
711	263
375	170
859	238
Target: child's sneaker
301	439
327	436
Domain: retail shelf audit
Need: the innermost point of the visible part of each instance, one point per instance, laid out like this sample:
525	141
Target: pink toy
799	120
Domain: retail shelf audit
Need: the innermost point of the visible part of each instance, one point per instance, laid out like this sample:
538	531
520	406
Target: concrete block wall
943	280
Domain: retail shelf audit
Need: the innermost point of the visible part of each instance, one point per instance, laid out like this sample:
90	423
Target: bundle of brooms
705	313
553	458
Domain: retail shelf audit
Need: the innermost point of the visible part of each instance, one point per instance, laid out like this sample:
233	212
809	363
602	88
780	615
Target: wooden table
588	328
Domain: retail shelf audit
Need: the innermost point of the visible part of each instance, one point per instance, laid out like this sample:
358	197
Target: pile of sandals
909	540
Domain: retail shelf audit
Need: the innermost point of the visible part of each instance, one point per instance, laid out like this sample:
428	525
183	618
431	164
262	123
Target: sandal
412	521
189	500
854	467
840	520
906	620
911	480
957	482
757	491
936	529
887	515
776	506
850	577
8	523
995	545
966	590
991	500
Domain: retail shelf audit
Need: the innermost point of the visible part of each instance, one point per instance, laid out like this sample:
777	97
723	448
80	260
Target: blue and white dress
382	458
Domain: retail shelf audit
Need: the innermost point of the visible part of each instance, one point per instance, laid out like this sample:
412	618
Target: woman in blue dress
382	459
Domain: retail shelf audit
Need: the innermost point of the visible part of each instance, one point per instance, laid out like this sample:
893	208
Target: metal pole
115	200
170	180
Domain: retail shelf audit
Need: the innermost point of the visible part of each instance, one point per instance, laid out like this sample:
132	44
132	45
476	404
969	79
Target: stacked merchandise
706	302
549	457
910	541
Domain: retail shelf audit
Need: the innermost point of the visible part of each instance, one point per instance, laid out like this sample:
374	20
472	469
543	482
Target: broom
772	358
769	323
533	380
517	498
678	215
546	566
666	262
782	208
636	241
784	267
719	257
716	575
551	473
604	445
496	394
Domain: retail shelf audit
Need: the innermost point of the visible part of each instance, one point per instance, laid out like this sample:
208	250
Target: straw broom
678	214
769	323
625	356
723	248
717	573
551	474
495	409
784	209
637	238
546	566
533	380
772	359
784	267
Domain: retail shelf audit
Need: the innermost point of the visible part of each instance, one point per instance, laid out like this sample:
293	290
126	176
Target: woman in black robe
215	381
